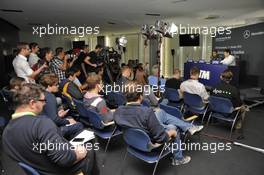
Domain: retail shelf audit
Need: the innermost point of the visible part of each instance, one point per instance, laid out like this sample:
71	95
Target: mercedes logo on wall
246	34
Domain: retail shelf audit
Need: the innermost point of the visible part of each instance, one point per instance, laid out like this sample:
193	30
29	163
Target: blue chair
68	101
194	103
145	103
215	62
94	120
173	97
28	169
139	145
7	97
174	111
222	109
201	61
2	124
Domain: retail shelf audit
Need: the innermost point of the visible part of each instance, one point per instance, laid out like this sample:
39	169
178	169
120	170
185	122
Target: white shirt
194	87
230	60
33	59
22	67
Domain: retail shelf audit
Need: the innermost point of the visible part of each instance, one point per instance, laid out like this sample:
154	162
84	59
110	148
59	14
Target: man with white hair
153	79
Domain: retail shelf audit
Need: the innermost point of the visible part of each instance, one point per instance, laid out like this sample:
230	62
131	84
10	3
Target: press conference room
124	87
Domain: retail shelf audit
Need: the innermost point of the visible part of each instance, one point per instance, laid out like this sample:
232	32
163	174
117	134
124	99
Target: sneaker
184	160
195	129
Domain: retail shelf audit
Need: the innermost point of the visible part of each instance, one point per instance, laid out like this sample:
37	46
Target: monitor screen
189	40
77	44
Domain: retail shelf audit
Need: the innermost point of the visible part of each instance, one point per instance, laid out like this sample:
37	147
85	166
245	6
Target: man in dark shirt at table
35	140
175	81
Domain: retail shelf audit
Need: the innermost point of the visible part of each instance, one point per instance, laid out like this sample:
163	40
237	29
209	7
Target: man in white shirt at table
21	65
229	59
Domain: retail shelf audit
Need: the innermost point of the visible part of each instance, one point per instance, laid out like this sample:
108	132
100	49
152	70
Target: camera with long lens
111	59
70	55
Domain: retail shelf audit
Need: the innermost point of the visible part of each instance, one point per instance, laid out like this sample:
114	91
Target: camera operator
92	60
80	60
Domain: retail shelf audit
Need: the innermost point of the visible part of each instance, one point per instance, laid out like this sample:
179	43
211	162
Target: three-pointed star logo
246	34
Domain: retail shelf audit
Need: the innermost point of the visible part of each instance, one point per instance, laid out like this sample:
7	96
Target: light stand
172	53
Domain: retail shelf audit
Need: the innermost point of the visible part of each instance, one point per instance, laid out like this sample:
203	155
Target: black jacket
24	136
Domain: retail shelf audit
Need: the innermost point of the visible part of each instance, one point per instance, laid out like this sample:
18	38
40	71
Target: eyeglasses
42	100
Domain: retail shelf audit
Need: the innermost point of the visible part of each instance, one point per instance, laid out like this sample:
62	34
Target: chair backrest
138	139
28	169
172	94
193	100
66	100
215	62
201	61
145	103
171	110
7	97
93	117
221	105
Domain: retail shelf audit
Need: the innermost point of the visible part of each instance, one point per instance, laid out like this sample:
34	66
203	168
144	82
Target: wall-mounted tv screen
78	44
189	40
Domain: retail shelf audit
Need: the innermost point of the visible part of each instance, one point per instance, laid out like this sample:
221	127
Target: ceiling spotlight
122	41
160	26
170	30
145	30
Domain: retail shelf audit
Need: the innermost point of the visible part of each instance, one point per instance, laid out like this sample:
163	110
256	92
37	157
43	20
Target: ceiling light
152	14
170	30
122	41
11	10
177	1
211	17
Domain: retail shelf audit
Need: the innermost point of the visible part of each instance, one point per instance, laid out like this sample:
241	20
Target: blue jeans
167	119
171	122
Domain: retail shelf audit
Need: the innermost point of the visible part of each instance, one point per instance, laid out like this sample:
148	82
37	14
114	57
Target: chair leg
156	165
185	136
107	144
230	135
181	108
122	164
204	114
209	118
233	124
155	168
